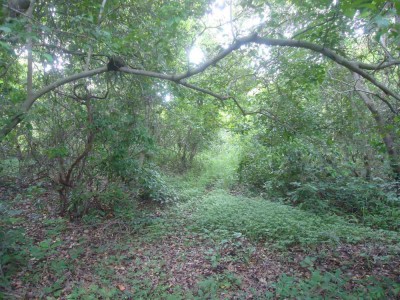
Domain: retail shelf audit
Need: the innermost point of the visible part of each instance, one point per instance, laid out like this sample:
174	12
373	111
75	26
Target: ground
183	251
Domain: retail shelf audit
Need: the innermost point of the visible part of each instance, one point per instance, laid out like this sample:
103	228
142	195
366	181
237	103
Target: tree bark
354	66
26	105
388	136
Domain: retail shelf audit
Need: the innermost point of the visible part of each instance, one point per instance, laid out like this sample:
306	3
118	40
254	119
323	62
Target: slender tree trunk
367	166
388	136
29	79
75	171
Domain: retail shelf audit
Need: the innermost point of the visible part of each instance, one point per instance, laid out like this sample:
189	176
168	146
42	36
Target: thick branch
375	67
363	92
350	65
149	74
356	67
390	106
26	105
236	45
387	135
63	81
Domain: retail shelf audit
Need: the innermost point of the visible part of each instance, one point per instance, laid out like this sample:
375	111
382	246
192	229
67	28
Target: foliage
189	125
216	166
123	154
102	200
305	122
297	173
366	201
332	285
8	168
13	245
153	187
295	101
272	169
276	223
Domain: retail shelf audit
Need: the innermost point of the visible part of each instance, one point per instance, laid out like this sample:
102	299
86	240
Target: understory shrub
271	169
367	201
100	198
152	186
322	183
8	167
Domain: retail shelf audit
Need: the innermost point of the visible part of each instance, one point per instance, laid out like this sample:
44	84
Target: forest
200	149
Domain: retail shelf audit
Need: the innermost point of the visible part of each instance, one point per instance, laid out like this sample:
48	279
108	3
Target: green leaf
5	46
48	57
5	29
382	21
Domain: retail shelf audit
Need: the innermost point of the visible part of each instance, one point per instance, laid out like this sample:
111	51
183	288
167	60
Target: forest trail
199	149
217	246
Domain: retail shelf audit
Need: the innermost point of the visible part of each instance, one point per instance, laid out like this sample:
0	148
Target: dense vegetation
193	149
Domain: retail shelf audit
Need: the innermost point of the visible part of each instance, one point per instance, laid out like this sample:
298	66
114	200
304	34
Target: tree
322	33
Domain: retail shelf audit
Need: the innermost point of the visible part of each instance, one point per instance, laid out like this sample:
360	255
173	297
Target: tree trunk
388	136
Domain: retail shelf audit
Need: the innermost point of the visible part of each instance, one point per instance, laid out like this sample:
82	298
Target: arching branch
350	65
353	66
27	104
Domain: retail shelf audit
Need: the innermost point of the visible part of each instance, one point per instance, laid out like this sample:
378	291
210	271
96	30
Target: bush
101	199
366	201
153	187
9	168
301	176
272	169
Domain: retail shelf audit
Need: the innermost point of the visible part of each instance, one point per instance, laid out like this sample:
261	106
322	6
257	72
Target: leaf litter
111	254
